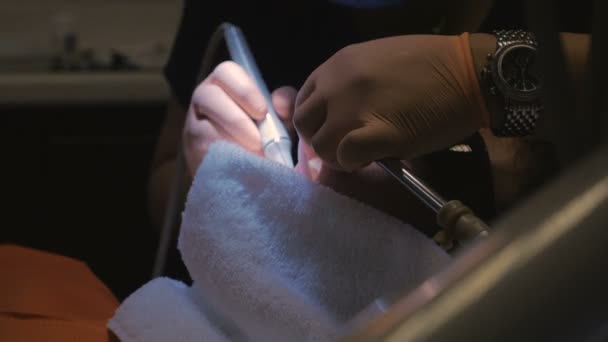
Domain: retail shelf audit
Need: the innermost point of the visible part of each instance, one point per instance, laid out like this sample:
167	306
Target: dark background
74	183
74	178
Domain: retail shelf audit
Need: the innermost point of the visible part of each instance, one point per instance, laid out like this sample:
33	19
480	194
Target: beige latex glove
395	97
370	185
223	106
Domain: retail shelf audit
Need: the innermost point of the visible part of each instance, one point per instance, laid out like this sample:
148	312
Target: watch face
518	72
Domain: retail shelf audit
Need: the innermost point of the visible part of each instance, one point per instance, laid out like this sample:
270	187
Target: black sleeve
196	26
572	16
288	42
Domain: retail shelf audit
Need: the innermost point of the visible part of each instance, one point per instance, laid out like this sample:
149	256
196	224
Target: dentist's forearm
576	51
519	165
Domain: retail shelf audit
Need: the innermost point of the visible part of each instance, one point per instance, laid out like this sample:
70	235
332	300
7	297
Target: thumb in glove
398	97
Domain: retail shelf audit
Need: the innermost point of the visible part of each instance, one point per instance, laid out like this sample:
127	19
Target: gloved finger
235	81
325	144
307	88
209	100
365	145
198	135
310	116
309	164
283	101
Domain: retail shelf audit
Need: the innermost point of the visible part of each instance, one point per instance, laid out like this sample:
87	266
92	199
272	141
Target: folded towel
286	259
164	310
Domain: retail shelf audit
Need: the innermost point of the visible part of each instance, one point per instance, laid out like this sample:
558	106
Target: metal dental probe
275	139
458	224
457	221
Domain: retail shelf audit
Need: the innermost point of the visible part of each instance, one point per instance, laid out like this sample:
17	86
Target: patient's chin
372	186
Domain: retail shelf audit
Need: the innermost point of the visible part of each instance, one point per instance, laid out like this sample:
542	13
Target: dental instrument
275	139
459	224
458	221
276	142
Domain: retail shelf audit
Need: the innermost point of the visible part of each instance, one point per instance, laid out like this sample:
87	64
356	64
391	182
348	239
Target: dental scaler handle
413	184
275	139
459	225
458	222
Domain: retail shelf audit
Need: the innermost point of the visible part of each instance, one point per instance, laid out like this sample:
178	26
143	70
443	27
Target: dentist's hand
370	185
223	106
396	97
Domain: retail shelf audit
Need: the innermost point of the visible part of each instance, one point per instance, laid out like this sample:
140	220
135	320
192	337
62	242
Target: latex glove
223	106
395	97
370	185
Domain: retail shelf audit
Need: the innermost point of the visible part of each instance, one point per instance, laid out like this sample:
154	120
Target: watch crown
486	72
489	56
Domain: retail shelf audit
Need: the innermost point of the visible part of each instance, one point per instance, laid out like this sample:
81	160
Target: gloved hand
396	97
223	106
218	111
370	185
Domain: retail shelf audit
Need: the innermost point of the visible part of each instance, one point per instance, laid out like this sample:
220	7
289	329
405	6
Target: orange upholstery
47	297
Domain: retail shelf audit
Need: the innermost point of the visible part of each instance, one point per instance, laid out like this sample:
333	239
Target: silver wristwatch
513	76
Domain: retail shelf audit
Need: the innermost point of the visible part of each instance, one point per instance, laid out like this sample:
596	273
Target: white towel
287	259
163	310
276	257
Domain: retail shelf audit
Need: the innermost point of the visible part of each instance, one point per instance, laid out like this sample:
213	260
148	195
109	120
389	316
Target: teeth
461	148
315	164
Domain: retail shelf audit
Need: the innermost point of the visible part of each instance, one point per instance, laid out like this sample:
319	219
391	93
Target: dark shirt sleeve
288	40
572	16
196	26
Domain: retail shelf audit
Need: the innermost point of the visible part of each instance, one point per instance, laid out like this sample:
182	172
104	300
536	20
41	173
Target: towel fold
289	259
163	310
275	257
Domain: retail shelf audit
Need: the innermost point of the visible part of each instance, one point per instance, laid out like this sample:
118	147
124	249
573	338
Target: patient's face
374	187
370	185
452	175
